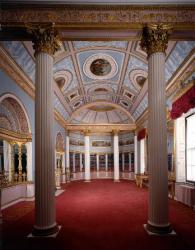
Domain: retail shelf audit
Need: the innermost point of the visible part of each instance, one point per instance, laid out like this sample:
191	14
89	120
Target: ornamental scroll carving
101	14
44	38
155	38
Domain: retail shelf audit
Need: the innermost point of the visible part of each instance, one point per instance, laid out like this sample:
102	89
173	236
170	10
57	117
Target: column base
116	180
156	230
87	180
48	232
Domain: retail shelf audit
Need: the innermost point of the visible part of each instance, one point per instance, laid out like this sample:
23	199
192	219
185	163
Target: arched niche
13	116
59	142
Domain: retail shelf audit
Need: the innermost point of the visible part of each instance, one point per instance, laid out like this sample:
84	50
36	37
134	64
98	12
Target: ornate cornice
96	128
103	7
44	37
183	89
181	75
87	13
59	118
15	72
14	136
155	38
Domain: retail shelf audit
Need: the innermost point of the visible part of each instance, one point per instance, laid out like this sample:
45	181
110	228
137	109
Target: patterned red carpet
100	215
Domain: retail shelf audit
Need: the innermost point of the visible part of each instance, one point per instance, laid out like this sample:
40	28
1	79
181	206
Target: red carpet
100	215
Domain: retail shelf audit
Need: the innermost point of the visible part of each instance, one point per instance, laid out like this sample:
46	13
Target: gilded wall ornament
44	38
155	38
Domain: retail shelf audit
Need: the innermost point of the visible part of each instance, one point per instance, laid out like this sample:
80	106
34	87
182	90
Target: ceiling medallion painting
100	66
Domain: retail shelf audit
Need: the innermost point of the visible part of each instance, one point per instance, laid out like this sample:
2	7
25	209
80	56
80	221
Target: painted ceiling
112	72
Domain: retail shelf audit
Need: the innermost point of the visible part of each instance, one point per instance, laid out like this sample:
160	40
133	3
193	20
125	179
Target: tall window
142	155
190	147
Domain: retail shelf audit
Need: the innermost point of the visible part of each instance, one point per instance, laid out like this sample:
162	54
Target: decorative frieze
101	14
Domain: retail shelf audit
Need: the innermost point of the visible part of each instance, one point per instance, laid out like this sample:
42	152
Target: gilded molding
97	128
183	89
44	37
181	75
14	137
13	70
101	14
155	38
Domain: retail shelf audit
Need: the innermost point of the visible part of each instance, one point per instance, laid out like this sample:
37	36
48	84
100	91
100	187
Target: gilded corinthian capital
44	38
155	38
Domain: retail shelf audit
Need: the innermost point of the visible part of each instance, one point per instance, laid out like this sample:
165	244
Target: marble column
81	162
97	163
129	162
73	162
135	155
20	162
63	168
67	151
123	162
6	156
45	44
116	156
12	167
106	160
29	161
68	174
87	158
154	42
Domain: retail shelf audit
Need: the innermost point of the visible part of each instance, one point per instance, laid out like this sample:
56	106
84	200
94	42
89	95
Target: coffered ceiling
110	72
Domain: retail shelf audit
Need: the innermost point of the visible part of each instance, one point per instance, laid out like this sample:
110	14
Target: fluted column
129	162
6	155
87	158
123	162
81	162
97	162
29	161
67	151
116	156
154	41
106	160
135	155
45	44
12	167
20	162
63	168
73	161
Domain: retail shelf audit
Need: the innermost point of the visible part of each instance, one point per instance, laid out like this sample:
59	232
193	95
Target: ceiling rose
100	66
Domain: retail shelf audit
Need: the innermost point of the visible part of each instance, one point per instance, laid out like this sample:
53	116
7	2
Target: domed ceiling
96	71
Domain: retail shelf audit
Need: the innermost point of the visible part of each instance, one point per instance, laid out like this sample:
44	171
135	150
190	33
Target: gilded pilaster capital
87	132
44	38
115	132
155	38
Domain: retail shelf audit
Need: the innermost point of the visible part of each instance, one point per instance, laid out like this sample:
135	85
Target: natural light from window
190	148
